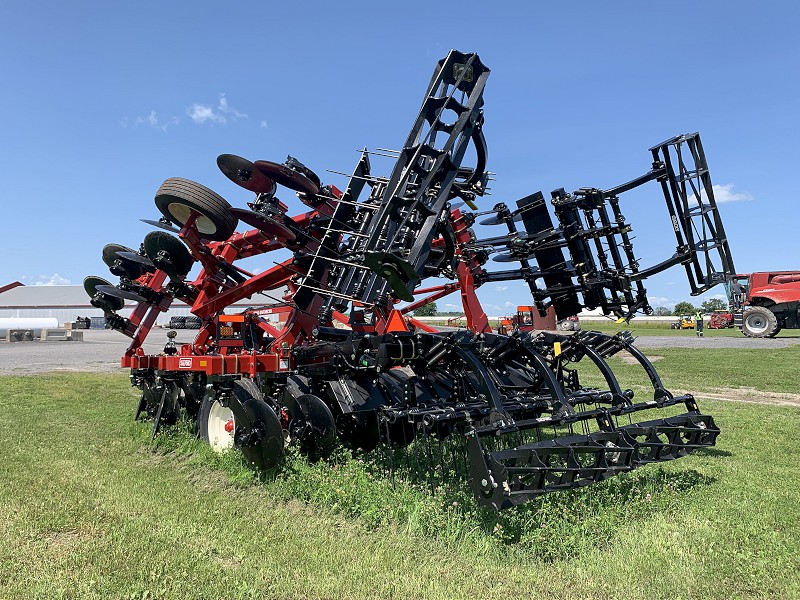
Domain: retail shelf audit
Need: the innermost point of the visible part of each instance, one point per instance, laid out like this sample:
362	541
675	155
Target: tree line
681	308
687	308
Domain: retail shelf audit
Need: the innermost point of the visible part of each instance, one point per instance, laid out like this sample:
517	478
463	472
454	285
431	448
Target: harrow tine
157	418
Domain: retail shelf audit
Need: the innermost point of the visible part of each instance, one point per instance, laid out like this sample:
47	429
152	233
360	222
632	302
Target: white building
68	302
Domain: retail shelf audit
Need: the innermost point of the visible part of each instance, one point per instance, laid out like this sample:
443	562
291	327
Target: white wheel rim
218	417
757	323
182	212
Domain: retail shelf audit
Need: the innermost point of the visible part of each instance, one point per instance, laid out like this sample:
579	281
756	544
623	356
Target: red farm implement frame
511	410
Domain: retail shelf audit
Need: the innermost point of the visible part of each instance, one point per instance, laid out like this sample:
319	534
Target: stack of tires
193	322
177	323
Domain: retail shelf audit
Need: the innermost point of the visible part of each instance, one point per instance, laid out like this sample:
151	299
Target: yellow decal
557	348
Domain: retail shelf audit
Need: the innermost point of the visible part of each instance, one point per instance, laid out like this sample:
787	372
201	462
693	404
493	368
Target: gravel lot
692	341
101	349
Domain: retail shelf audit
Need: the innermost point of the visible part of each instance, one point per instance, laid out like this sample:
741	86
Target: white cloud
202	113
500	288
205	113
509	305
451	305
656	301
722	297
54	279
151	120
226	108
263	124
722	194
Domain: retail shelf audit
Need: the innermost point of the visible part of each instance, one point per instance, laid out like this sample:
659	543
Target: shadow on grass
712	452
438	503
564	523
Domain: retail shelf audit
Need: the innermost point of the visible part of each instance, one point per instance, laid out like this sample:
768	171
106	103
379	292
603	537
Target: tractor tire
193	322
177	198
759	322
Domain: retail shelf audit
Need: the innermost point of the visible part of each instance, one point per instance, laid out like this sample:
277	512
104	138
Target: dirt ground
748	396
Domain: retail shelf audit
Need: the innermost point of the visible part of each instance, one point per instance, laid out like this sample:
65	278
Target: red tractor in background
764	303
529	319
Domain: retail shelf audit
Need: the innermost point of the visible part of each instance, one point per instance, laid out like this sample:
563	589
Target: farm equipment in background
572	323
457	321
685	322
763	303
509	413
720	319
529	318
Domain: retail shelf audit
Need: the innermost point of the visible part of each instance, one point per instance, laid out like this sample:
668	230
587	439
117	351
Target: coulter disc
268	451
120	265
244	173
498	220
91	284
162	224
112	290
168	254
294	180
269	226
312	425
139	259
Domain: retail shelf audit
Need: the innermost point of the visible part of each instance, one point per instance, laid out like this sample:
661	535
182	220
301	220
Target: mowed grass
706	370
90	508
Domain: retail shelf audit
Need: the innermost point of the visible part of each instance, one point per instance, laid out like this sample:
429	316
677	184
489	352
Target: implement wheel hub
229	426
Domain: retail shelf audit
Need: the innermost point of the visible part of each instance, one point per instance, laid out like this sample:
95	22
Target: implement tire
177	198
217	425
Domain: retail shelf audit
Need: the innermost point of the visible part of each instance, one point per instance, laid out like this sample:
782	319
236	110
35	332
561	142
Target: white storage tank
34	323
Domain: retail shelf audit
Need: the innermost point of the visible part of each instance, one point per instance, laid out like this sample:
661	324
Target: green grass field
90	508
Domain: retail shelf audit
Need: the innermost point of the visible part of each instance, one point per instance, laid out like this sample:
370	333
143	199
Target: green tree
710	306
429	310
684	308
661	311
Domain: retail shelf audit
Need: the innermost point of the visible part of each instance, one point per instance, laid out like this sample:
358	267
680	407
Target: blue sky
102	101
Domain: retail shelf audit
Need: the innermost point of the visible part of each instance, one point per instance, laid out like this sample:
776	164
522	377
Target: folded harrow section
514	407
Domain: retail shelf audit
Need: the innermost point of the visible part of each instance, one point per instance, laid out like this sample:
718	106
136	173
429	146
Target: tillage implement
345	363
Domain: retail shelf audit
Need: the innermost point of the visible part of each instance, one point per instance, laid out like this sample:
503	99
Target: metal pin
332	293
377	153
372	179
352	233
343	262
359	204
